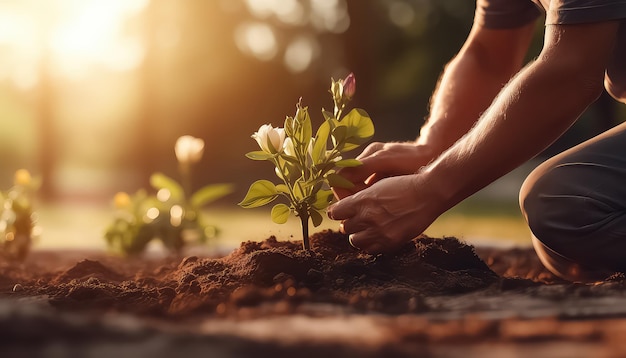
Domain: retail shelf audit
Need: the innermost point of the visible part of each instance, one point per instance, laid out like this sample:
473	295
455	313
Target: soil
435	297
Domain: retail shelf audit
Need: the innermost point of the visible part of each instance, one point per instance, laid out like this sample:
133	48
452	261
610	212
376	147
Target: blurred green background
93	95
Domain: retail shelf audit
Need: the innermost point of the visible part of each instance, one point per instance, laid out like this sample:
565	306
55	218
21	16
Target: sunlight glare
287	11
91	32
401	14
19	65
151	215
330	15
300	53
257	39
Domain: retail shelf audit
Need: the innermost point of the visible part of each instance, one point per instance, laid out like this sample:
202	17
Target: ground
436	297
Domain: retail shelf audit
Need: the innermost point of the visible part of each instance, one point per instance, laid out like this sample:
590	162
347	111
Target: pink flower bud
349	86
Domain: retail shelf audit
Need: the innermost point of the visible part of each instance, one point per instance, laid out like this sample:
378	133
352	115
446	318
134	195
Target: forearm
533	111
465	90
470	83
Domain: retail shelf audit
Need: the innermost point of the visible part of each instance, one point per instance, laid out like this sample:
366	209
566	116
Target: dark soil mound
271	276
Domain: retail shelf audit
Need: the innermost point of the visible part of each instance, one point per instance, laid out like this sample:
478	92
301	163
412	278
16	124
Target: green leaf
259	155
348	163
261	192
288	126
316	218
337	181
280	213
327	115
210	193
299	191
282	188
322	199
160	181
339	135
359	129
347	146
324	168
321	139
359	124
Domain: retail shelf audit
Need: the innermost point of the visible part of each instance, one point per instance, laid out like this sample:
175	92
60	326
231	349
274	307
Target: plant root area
435	297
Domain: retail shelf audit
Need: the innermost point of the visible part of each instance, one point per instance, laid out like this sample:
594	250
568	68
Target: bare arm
469	83
534	109
532	112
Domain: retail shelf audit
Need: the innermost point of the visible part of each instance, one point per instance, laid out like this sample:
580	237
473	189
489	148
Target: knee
531	200
559	207
548	208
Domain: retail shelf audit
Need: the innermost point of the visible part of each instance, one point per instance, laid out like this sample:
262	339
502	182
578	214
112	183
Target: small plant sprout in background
17	216
172	215
305	163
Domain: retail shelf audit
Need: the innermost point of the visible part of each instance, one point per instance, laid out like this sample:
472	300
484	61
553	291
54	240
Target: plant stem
304	220
185	172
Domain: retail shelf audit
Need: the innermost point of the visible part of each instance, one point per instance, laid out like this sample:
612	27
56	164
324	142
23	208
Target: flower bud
189	149
336	89
349	86
270	139
22	177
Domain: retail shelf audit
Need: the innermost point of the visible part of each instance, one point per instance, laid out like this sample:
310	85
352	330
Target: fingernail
329	212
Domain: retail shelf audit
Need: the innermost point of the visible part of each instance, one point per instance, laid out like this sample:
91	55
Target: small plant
17	216
173	215
305	163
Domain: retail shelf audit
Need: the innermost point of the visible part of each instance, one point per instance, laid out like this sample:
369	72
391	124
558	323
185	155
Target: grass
474	221
484	222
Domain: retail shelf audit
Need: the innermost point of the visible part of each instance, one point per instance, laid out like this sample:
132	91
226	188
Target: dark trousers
575	206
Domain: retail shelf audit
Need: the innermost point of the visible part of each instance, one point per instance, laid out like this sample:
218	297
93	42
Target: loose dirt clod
276	273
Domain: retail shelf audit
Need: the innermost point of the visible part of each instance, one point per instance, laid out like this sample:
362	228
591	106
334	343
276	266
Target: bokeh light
94	94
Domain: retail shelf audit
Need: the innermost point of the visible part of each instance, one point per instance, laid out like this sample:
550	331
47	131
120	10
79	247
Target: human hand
382	160
383	217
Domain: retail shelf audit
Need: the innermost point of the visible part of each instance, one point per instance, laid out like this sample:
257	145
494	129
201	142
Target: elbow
617	89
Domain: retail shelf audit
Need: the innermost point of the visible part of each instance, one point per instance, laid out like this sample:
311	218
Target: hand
382	160
383	217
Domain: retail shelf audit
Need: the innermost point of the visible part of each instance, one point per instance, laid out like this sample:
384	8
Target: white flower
270	139
288	147
189	149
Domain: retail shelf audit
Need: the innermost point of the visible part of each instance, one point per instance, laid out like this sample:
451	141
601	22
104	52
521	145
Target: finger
343	209
371	149
341	193
367	241
350	237
373	179
351	226
357	174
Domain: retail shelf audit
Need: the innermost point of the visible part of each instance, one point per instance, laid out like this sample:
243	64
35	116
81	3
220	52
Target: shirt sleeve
503	14
581	11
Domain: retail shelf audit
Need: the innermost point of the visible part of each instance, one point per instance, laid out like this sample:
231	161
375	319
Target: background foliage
94	123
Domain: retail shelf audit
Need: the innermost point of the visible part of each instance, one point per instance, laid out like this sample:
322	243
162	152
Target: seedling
306	164
172	215
17	217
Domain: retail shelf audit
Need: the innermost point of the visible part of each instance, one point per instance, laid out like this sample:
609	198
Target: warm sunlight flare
92	32
74	35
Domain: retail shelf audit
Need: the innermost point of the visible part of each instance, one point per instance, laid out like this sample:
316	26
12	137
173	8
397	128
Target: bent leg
575	206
